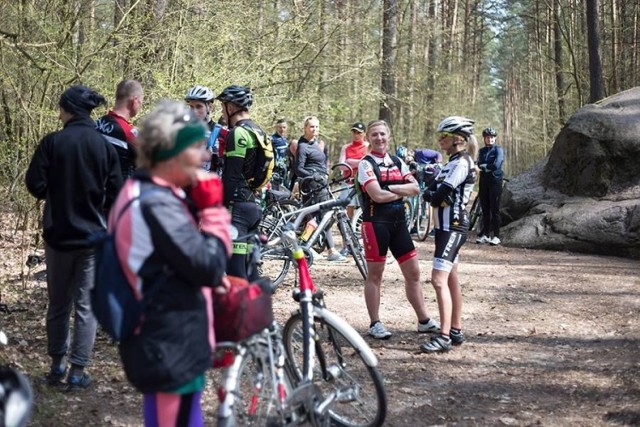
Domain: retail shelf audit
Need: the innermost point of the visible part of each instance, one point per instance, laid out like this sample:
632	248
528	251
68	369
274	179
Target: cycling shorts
448	244
379	237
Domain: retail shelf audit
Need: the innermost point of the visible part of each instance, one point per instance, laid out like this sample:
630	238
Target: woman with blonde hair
449	194
385	181
172	238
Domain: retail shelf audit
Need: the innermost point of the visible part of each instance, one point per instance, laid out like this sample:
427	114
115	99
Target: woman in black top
312	163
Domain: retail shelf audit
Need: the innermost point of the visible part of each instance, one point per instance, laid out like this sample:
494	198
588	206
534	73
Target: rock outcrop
585	196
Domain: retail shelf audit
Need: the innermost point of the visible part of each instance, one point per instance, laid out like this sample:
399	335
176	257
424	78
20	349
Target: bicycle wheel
255	398
356	223
423	220
340	368
408	213
275	261
272	214
475	213
351	242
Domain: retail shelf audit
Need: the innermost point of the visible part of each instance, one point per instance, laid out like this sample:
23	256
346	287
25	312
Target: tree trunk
593	42
388	82
558	60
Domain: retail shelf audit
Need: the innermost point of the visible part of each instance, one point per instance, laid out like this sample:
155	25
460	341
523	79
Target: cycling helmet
16	398
457	124
200	93
239	95
401	151
489	132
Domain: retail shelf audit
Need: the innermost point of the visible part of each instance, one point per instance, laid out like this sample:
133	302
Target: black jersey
460	175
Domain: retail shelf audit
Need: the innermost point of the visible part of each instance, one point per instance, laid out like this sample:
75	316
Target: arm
199	258
410	188
114	177
301	160
369	183
36	176
497	163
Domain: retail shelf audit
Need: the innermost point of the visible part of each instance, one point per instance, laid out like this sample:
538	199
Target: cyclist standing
240	147
490	160
280	151
116	125
385	181
449	194
200	101
312	161
352	154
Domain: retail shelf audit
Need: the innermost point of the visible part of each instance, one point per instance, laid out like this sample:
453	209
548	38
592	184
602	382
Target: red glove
207	191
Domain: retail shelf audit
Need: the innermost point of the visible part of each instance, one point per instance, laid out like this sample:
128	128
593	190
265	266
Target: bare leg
372	289
456	298
413	288
439	279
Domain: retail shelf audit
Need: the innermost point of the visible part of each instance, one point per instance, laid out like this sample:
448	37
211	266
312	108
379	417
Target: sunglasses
442	135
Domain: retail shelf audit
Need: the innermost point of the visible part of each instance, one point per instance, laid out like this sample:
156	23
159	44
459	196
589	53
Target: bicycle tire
356	223
272	214
423	220
475	214
343	361
255	399
351	242
408	213
275	261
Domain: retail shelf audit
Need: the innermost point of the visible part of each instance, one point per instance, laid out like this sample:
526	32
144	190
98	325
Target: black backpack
265	162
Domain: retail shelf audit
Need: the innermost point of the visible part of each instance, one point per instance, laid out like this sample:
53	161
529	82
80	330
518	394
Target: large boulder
586	196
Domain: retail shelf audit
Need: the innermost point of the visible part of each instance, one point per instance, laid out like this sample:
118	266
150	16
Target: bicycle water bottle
311	226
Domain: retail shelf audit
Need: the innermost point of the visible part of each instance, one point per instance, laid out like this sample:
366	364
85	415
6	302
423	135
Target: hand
223	287
206	191
483	167
318	177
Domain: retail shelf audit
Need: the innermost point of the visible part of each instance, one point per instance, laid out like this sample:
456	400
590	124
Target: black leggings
245	217
490	193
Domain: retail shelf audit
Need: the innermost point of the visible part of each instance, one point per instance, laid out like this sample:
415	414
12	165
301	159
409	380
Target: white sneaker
495	241
335	256
482	240
431	326
379	332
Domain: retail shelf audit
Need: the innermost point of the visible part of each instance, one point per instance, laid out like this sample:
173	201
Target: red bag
243	311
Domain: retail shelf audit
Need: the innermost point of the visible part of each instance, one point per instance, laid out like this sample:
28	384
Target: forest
522	67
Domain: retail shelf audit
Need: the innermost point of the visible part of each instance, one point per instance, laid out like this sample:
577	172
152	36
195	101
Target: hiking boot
457	338
495	241
431	326
481	240
438	344
335	256
379	332
78	382
55	375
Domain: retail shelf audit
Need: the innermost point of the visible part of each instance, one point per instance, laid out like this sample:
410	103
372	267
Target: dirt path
553	339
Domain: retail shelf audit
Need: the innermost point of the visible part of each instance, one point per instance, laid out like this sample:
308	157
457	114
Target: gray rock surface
586	196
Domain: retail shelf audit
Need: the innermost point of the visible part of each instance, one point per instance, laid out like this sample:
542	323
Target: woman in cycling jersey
449	194
173	247
384	182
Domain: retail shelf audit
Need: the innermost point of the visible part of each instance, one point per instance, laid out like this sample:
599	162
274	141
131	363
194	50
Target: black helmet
239	95
489	132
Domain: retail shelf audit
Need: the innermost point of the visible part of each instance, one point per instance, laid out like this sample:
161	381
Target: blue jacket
492	157
279	147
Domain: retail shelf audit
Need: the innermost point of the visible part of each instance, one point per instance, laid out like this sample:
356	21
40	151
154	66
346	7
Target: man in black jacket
77	172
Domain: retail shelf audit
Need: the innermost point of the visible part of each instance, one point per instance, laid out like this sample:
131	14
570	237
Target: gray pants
69	281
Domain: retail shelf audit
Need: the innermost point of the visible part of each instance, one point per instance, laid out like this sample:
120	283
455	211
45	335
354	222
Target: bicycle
475	213
316	369
278	256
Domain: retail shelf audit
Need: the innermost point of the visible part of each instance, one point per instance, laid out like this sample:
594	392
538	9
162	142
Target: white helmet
199	93
457	124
